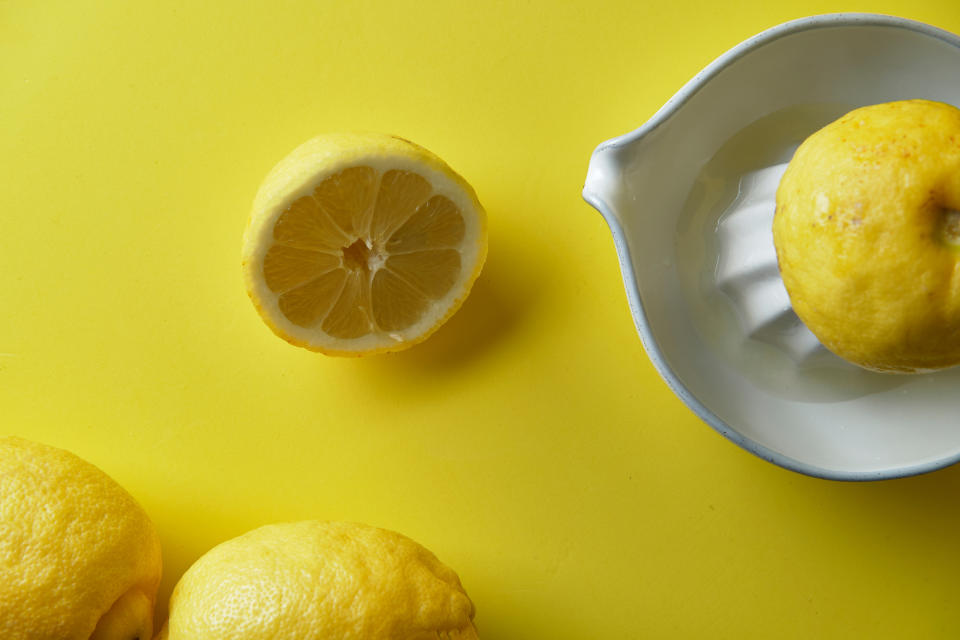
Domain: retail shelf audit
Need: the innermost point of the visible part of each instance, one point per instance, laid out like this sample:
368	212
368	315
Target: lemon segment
362	243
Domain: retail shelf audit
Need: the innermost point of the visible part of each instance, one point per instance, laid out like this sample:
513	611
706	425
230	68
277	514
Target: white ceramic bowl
689	199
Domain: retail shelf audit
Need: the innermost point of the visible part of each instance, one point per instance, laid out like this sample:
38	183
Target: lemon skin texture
319	581
79	558
868	236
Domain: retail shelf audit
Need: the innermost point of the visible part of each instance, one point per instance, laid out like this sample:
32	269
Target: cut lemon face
362	243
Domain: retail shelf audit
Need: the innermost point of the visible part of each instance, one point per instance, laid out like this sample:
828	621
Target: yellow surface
530	444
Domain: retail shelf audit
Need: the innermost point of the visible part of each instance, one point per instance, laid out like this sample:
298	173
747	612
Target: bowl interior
675	177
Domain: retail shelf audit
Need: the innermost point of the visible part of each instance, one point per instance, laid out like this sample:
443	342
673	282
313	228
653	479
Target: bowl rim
637	310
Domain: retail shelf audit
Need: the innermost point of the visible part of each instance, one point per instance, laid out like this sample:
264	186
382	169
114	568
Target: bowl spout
603	188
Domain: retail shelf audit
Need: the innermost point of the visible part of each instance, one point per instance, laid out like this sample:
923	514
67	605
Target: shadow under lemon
500	300
182	546
487	315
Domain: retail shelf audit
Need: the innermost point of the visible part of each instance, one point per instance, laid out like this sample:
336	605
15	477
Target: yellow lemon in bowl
361	243
867	233
312	579
79	558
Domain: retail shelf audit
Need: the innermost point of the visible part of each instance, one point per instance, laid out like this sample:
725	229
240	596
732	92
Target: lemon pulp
364	253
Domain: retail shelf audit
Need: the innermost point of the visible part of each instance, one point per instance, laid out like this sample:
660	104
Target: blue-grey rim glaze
626	263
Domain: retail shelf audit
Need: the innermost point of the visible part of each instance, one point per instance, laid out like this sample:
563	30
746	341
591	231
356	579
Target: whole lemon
79	558
319	581
867	232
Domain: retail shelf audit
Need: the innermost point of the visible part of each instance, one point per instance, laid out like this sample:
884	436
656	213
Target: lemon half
362	243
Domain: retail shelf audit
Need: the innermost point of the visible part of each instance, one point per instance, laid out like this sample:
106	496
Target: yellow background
529	443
